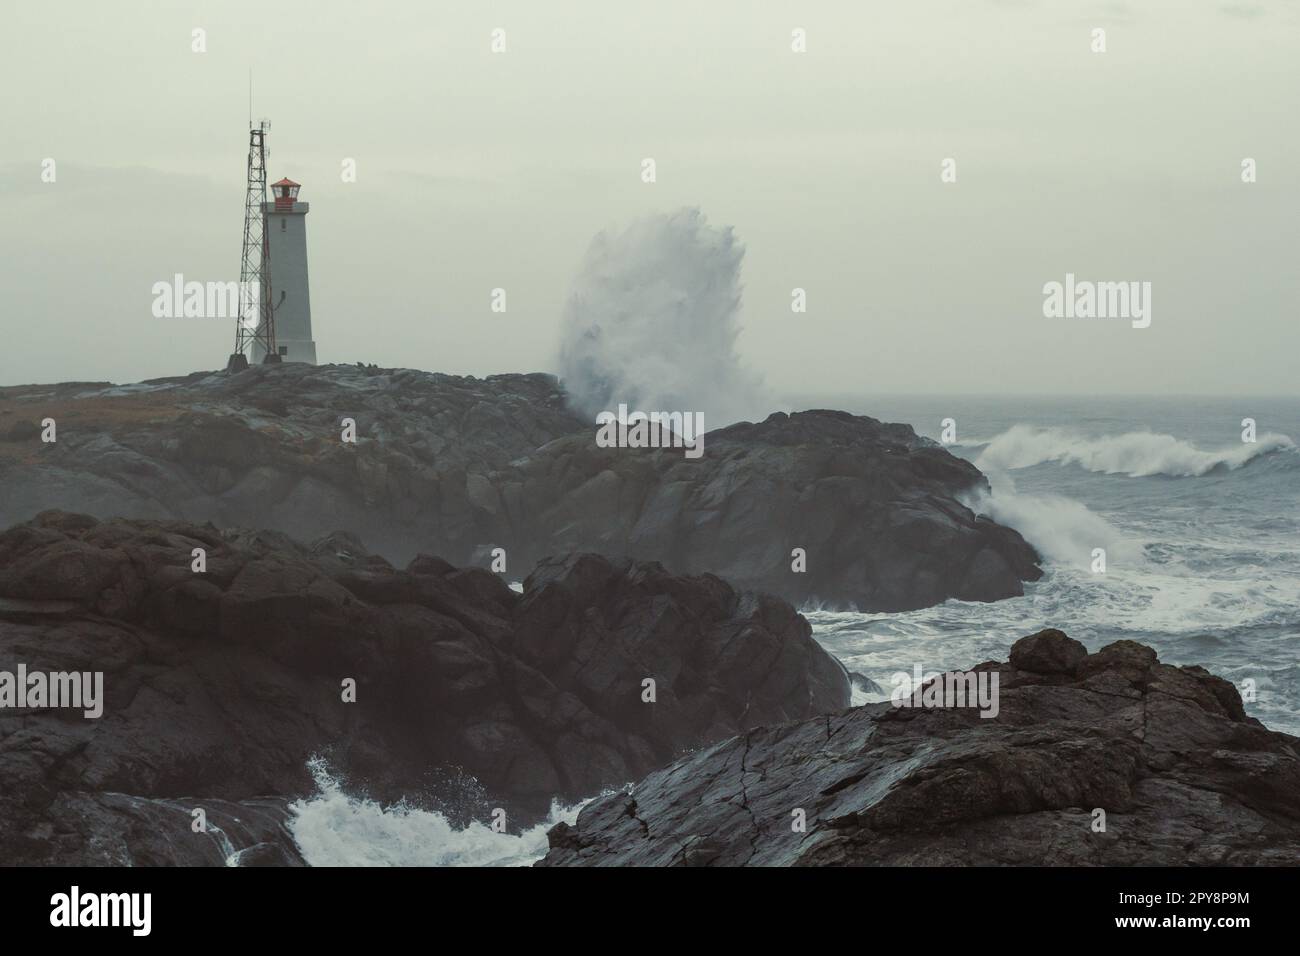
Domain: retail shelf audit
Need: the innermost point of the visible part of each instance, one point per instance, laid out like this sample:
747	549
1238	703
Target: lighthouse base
288	350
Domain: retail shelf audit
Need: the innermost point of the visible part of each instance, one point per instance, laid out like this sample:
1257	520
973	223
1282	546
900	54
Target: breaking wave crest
1136	454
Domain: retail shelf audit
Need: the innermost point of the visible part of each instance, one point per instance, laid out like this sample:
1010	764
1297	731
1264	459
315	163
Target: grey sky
478	171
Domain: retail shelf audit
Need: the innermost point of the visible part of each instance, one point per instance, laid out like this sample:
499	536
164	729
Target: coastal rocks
435	684
459	466
1049	652
114	829
872	507
1107	759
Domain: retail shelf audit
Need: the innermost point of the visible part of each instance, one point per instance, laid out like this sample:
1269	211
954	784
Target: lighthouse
285	225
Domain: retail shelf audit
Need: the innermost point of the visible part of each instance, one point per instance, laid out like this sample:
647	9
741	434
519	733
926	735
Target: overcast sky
478	170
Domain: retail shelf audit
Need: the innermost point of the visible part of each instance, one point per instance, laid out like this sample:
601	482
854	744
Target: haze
478	171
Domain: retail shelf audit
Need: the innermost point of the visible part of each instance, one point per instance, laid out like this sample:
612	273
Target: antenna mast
256	324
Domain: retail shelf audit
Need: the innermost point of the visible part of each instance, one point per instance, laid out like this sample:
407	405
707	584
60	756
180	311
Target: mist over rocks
1183	776
459	466
221	685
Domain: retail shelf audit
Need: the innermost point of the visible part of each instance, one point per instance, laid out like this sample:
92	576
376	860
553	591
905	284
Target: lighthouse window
283	224
284	350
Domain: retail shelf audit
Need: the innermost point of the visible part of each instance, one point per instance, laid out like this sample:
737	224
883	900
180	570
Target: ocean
1201	533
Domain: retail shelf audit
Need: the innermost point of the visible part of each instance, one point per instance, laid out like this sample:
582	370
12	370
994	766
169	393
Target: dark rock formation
1182	774
871	504
458	466
82	827
220	685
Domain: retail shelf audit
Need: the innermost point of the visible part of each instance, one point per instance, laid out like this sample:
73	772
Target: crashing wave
652	322
1136	454
333	828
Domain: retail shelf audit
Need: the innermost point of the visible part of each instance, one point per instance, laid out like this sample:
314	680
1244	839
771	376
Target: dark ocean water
1201	532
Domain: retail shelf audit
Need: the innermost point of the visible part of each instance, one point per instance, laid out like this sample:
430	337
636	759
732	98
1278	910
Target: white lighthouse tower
285	225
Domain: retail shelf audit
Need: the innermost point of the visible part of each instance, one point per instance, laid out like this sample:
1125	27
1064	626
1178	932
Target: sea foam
1136	454
1064	531
333	828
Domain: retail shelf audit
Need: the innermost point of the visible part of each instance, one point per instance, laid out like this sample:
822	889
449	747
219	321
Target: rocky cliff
1109	759
460	466
221	683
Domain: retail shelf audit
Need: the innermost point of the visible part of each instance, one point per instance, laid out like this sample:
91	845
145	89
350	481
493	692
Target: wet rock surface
220	685
458	466
1182	775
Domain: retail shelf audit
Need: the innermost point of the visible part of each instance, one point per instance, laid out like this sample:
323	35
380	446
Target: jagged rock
1048	652
872	505
459	466
1181	773
220	685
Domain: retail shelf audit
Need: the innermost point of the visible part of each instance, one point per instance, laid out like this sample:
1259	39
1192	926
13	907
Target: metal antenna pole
256	326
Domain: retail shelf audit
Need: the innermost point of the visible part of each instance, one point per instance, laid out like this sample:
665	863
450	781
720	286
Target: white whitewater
1136	454
332	828
652	321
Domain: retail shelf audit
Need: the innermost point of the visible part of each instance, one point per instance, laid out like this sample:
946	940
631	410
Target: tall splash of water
652	322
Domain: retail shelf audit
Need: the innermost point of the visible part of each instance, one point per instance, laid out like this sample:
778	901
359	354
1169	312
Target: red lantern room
286	194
